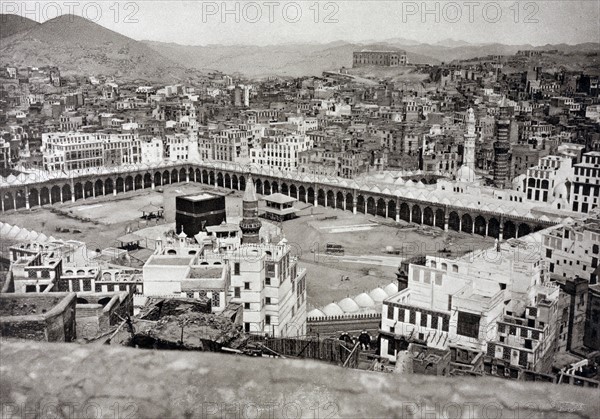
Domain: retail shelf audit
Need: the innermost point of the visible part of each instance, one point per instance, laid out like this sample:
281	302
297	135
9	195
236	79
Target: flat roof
170	260
279	198
199	197
223	227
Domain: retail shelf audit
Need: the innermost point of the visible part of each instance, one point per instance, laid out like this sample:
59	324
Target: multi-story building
230	145
586	183
548	181
491	301
280	150
378	58
502	149
76	150
573	250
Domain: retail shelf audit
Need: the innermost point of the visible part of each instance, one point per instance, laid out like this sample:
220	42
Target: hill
79	46
13	24
291	60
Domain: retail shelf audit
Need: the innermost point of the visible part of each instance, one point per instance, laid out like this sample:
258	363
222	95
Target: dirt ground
99	222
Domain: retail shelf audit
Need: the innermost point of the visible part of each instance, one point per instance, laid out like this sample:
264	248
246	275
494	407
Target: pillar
459	223
397	210
344	204
354	204
15	201
446	217
334	201
187	177
386	210
517	231
103	188
422	213
316	200
27	198
153	185
325	200
487	224
73	192
2	202
61	196
500	230
473	227
305	196
94	189
434	217
410	214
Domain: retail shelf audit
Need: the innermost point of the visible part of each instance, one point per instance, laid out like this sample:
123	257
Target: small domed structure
391	289
332	309
378	295
364	300
316	313
348	305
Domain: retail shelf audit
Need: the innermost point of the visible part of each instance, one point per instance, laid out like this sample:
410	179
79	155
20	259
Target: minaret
250	224
502	147
469	144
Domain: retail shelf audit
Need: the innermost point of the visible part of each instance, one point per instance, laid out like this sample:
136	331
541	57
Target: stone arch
78	192
339	196
524	229
211	177
66	192
198	176
228	181
44	196
404	212
128	183
391	209
88	189
480	225
147	180
21	201
166	177
182	175
321	197
416	214
235	183
191	174
330	199
8	202
274	187
510	230
294	191
259	186
494	228
467	223
285	189
242	183
98	190
204	177
266	187
311	194
454	221
428	216
302	194
55	194
174	176
157	179
381	207
120	185
439	218
545	184
34	197
360	204
138	181
349	202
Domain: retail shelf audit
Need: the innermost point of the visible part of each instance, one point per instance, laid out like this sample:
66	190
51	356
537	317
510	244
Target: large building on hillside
379	58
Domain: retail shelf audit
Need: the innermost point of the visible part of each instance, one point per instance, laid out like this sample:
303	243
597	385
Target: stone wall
104	381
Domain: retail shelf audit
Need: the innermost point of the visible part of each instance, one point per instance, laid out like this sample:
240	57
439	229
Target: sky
275	22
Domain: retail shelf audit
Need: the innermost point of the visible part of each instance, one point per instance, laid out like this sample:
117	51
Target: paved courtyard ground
369	242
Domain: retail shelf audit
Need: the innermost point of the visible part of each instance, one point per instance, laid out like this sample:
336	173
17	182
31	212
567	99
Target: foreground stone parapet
50	380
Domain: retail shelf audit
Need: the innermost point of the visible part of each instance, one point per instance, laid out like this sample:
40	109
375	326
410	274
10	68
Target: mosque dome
349	305
364	300
378	295
316	313
391	289
465	174
333	309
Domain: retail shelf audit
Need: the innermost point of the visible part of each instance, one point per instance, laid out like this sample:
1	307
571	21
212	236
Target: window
246	285
468	324
236	268
236	292
268	319
267	281
247	327
390	312
267	300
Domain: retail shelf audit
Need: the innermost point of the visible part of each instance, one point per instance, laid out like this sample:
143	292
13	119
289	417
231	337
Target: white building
152	151
586	183
280	151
